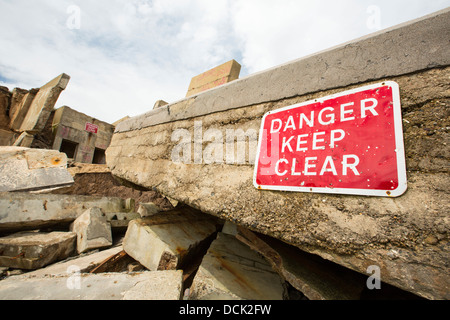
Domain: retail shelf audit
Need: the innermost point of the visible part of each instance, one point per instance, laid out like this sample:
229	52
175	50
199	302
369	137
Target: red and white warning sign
92	128
348	143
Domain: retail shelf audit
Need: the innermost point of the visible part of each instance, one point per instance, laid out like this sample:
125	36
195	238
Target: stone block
148	209
16	99
120	220
34	250
83	263
316	278
43	104
93	230
159	285
24	140
165	241
23	169
7	138
232	271
159	104
5	101
215	77
21	103
21	211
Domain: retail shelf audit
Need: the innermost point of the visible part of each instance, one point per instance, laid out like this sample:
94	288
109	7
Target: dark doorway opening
69	148
99	156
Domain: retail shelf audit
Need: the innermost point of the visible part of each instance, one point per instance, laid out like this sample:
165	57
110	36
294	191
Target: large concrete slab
93	231
406	237
34	250
19	211
232	271
5	101
83	263
43	103
166	241
23	169
20	106
316	278
159	285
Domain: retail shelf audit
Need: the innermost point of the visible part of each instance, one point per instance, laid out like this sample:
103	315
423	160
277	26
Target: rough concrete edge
306	75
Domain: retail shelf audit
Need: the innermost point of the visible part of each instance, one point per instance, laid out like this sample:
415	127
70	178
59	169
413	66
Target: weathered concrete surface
316	278
159	104
43	103
232	271
23	169
159	285
7	137
24	140
17	96
93	231
120	220
407	236
20	105
165	241
83	263
148	209
34	250
20	211
225	73
5	101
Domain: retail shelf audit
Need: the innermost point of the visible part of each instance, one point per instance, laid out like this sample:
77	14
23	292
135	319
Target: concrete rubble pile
65	246
174	213
202	151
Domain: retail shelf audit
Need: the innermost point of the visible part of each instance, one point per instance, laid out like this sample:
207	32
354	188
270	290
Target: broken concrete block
230	228
93	230
43	103
173	202
148	209
232	271
5	100
159	285
20	107
316	278
84	263
7	138
159	104
17	96
165	241
34	250
24	140
23	169
21	211
215	77
120	262
120	220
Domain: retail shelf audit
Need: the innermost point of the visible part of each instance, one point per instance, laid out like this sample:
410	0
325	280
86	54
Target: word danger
304	142
348	143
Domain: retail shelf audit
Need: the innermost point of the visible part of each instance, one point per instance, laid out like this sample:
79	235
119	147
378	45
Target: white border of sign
398	128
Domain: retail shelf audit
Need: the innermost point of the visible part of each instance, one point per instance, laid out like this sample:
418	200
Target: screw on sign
348	143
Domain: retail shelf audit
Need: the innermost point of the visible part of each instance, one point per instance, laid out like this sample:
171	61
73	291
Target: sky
124	55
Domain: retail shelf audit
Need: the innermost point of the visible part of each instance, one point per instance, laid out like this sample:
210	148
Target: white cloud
129	53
